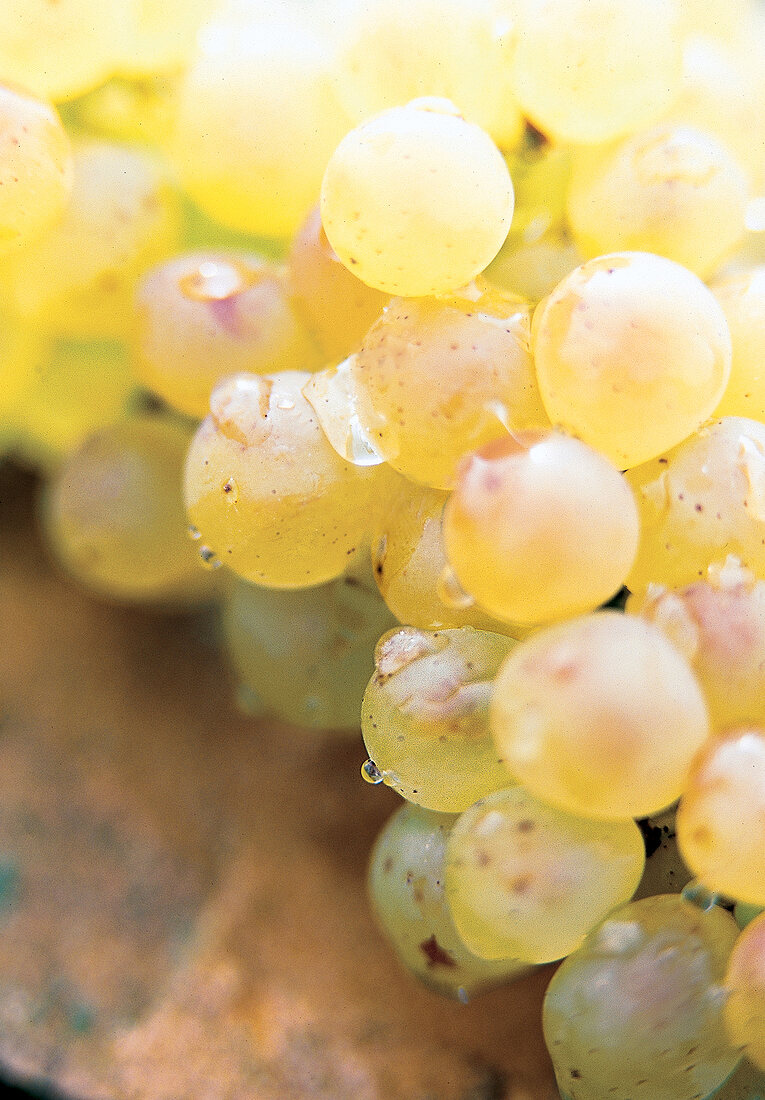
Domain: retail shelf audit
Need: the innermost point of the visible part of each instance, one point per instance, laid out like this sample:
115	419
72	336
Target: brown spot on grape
436	955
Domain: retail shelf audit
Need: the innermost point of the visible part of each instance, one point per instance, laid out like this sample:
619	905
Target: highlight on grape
425	340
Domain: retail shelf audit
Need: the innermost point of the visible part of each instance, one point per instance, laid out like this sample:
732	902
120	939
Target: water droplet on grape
371	773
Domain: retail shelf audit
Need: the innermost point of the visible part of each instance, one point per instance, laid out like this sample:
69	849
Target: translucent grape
113	517
336	306
719	625
476	343
307	654
406	887
425	715
258	119
590	70
161	34
715	20
600	716
745	983
396	50
701	502
533	268
721	818
540	526
742	298
203	316
79	279
659	191
417	200
269	494
124	110
35	166
632	354
636	1012
528	881
665	872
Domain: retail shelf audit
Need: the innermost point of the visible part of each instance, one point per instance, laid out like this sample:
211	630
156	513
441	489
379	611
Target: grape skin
745	983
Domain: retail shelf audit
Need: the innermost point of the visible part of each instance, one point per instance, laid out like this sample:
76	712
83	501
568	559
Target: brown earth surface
182	903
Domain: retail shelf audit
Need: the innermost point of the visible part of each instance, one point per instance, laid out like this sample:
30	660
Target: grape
540	526
742	298
267	492
306	654
79	279
747	1083
257	121
425	715
113	518
35	166
659	191
406	888
745	984
710	18
124	110
632	354
700	503
60	49
476	343
528	881
636	1012
161	34
396	50
721	819
336	307
745	913
202	316
600	715
719	625
591	70
417	200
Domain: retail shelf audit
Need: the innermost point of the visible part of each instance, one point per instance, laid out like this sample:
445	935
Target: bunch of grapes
435	330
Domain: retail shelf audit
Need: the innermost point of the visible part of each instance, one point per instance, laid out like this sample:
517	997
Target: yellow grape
528	881
113	515
632	354
540	526
475	342
721	818
742	297
726	21
745	986
258	119
699	503
161	35
590	70
600	715
425	715
268	493
417	200
533	268
202	316
660	191
138	110
79	279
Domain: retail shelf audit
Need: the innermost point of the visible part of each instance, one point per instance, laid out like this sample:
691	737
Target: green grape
75	388
721	818
701	502
113	518
337	308
396	50
476	343
742	298
35	166
540	526
258	119
410	566
632	354
659	191
425	715
202	316
719	625
600	716
61	49
406	888
746	1083
745	913
587	71
79	279
527	881
417	200
267	492
140	110
636	1012
306	655
665	872
745	985
533	268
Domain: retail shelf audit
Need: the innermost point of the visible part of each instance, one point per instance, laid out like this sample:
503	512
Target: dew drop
451	592
209	558
371	773
193	532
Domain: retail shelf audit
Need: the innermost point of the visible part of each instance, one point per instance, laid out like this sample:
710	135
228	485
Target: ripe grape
745	985
742	298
